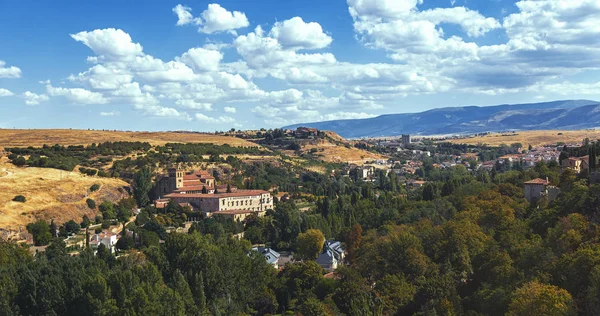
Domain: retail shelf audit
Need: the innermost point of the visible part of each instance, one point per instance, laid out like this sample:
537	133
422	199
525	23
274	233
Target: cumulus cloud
214	120
229	109
297	34
261	51
191	104
32	98
5	93
544	39
212	20
218	19
184	14
77	95
9	72
201	59
113	44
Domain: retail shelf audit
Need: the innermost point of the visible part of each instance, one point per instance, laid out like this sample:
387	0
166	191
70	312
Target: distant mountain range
567	114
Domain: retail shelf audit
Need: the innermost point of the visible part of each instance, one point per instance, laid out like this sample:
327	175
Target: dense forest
466	243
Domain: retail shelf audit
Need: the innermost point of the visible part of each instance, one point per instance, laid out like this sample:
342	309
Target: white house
108	239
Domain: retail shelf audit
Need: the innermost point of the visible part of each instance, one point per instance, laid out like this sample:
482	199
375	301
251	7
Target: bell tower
175	178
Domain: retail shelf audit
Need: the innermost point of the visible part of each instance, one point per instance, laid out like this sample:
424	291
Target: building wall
533	192
256	203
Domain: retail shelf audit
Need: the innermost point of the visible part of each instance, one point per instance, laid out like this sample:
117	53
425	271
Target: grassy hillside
39	137
51	194
533	138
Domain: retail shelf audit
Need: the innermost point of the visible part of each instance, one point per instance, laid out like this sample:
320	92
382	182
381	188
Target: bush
72	227
19	198
95	187
19	161
91	203
12	156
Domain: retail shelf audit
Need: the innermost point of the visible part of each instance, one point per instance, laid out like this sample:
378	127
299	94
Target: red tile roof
238	193
538	181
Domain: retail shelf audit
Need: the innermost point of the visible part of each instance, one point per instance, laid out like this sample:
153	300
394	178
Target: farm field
39	137
50	194
533	138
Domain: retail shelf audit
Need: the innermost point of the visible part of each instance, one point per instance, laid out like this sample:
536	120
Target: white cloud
193	105
229	109
77	95
202	59
34	98
5	93
113	44
261	51
219	120
184	15
295	33
9	72
111	113
212	20
101	77
377	9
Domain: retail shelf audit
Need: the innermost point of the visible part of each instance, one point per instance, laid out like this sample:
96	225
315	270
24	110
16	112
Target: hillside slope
568	114
51	194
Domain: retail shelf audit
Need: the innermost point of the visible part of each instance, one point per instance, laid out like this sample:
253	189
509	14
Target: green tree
535	298
310	244
41	232
142	184
396	292
85	223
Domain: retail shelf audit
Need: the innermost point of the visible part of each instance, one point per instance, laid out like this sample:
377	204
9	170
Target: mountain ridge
561	114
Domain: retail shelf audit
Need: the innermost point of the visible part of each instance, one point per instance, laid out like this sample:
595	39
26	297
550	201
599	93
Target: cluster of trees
67	157
196	151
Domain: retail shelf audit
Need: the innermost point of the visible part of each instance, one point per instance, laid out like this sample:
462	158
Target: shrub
19	198
12	156
19	161
91	203
94	188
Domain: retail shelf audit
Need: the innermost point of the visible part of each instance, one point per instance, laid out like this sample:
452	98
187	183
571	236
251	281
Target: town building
178	181
200	191
537	189
405	140
577	164
271	256
332	256
108	239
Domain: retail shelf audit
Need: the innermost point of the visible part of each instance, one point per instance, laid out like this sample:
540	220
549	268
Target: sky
247	64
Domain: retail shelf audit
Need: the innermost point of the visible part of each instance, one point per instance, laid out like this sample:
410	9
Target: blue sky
173	65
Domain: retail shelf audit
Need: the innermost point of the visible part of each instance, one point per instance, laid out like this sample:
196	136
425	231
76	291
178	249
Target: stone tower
175	179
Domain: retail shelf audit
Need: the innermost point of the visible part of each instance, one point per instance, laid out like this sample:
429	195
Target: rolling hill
565	115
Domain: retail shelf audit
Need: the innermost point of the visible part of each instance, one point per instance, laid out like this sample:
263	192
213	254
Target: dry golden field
39	137
330	152
50	194
533	138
